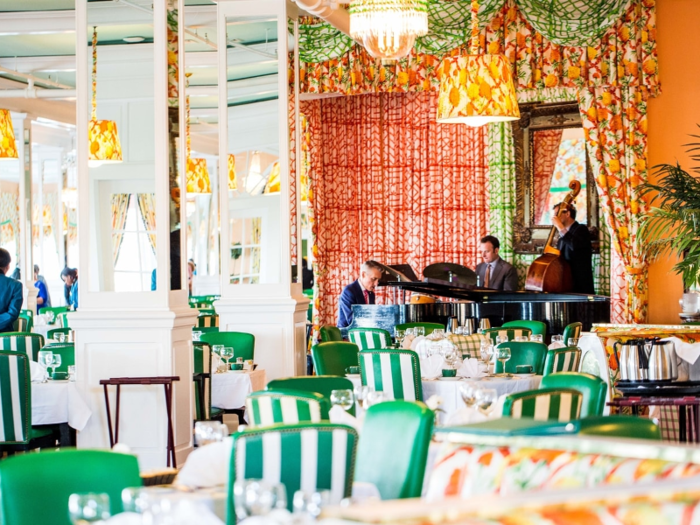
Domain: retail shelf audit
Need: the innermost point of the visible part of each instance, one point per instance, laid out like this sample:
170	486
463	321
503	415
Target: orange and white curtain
546	144
147	206
120	206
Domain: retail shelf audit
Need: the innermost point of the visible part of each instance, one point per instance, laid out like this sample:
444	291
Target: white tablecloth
43	329
229	390
56	402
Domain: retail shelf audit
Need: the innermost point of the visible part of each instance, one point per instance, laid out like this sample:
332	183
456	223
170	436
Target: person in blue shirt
42	296
70	277
10	294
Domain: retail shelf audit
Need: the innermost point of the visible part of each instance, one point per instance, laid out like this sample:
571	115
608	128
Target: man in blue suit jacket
359	292
10	294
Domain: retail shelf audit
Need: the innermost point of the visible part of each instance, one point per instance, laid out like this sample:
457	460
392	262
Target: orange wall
673	116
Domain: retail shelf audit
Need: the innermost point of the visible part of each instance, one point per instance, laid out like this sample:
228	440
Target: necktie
487	276
366	296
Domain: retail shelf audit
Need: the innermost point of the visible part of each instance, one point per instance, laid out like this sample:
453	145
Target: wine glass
469	393
226	355
501	339
485	350
375	397
310	503
361	392
55	362
88	508
343	398
257	497
521	338
572	341
207	432
503	356
537	338
449	354
217	349
44	357
399	336
419	330
485	400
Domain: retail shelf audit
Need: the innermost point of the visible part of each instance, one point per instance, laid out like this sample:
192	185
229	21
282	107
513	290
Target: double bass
550	272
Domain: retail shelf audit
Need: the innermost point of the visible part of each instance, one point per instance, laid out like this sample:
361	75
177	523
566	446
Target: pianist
359	292
494	272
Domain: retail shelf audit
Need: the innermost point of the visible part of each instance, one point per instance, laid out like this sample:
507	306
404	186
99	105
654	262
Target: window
245	250
135	260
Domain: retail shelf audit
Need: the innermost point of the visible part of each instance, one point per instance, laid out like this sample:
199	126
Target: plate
352	376
450	378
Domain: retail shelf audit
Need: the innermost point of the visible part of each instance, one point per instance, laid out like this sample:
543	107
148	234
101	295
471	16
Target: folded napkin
216	361
37	371
416	341
207	466
407	341
470	368
431	367
341	417
687	351
554	346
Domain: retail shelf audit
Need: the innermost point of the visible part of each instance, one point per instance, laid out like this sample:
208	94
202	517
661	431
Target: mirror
9	209
550	152
253	247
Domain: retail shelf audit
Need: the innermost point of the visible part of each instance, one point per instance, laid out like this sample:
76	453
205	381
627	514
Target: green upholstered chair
243	343
429	327
24	342
287	452
323	385
27	313
23	324
330	333
572	330
393	448
619	426
395	372
370	338
566	359
291	407
62	319
524	353
202	383
511	333
55	475
206	329
202	301
207	321
16	430
545	404
593	389
53	311
333	358
65	350
51	333
536	327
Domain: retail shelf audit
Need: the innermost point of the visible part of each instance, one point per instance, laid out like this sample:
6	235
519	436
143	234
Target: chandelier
388	28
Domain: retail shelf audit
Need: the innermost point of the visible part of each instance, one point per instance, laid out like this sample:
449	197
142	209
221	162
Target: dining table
55	402
229	389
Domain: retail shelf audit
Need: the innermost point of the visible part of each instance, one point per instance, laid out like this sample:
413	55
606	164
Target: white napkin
467	415
407	341
185	512
207	466
687	351
40	320
416	341
216	362
431	367
276	517
470	368
554	346
37	371
341	417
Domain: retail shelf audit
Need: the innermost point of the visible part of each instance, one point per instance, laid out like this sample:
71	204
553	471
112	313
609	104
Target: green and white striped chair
16	431
62	320
23	342
207	321
395	372
370	338
537	327
310	457
23	323
572	331
562	360
511	333
545	404
270	407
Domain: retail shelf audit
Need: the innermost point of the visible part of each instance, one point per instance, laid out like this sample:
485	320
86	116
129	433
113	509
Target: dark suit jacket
503	276
10	302
575	247
352	294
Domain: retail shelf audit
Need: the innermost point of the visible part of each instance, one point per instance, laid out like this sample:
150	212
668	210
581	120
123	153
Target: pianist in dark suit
575	246
358	292
494	272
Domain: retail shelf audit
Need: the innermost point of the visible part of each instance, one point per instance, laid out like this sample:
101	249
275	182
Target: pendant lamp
8	147
197	174
232	172
102	134
476	89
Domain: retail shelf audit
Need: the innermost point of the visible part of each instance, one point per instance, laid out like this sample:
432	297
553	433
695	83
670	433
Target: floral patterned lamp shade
197	176
476	89
388	28
8	148
102	134
232	172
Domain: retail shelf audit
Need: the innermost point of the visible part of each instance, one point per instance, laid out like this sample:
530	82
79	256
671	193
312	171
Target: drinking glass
449	354
537	337
135	500
217	349
226	355
557	342
257	497
71	373
311	503
486	350
520	338
503	357
60	337
44	357
572	341
197	335
438	333
419	330
207	432
55	362
343	398
88	508
501	339
399	336
375	397
411	331
486	399
361	393
469	393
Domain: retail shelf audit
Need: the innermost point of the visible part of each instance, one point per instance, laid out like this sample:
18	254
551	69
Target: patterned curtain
546	144
120	206
147	205
388	183
501	186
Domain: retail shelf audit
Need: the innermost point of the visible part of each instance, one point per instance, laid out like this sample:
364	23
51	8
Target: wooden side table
167	382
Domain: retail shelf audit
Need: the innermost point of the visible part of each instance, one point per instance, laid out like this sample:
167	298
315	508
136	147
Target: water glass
419	330
197	335
537	338
45	357
486	400
449	354
469	393
135	499
486	350
88	508
411	331
226	355
55	361
503	356
501	339
343	398
375	397
438	333
257	497
572	341
217	349
361	393
60	337
207	432
71	373
520	338
311	503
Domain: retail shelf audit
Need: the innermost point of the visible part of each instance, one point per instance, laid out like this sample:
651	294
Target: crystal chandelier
388	28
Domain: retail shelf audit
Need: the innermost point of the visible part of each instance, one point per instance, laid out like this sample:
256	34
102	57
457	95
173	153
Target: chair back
323	385
62	319
312	456
370	338
592	388
24	342
207	321
620	426
291	407
15	399
67	353
51	333
524	353
202	380
429	327
395	372
243	343
333	358
394	448
26	313
23	323
330	333
55	475
53	311
510	333
572	330
536	327
562	360
545	404
202	301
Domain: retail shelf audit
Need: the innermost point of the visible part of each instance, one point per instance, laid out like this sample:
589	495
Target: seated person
494	272
359	292
42	296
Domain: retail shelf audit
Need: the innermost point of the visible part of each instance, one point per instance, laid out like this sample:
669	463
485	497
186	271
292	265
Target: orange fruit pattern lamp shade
8	147
104	143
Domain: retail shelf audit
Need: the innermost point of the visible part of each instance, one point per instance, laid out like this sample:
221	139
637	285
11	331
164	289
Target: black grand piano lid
450	273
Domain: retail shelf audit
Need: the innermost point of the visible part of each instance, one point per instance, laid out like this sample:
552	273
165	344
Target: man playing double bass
575	246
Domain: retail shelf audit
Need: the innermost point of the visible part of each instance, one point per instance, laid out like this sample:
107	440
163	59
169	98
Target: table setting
232	382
